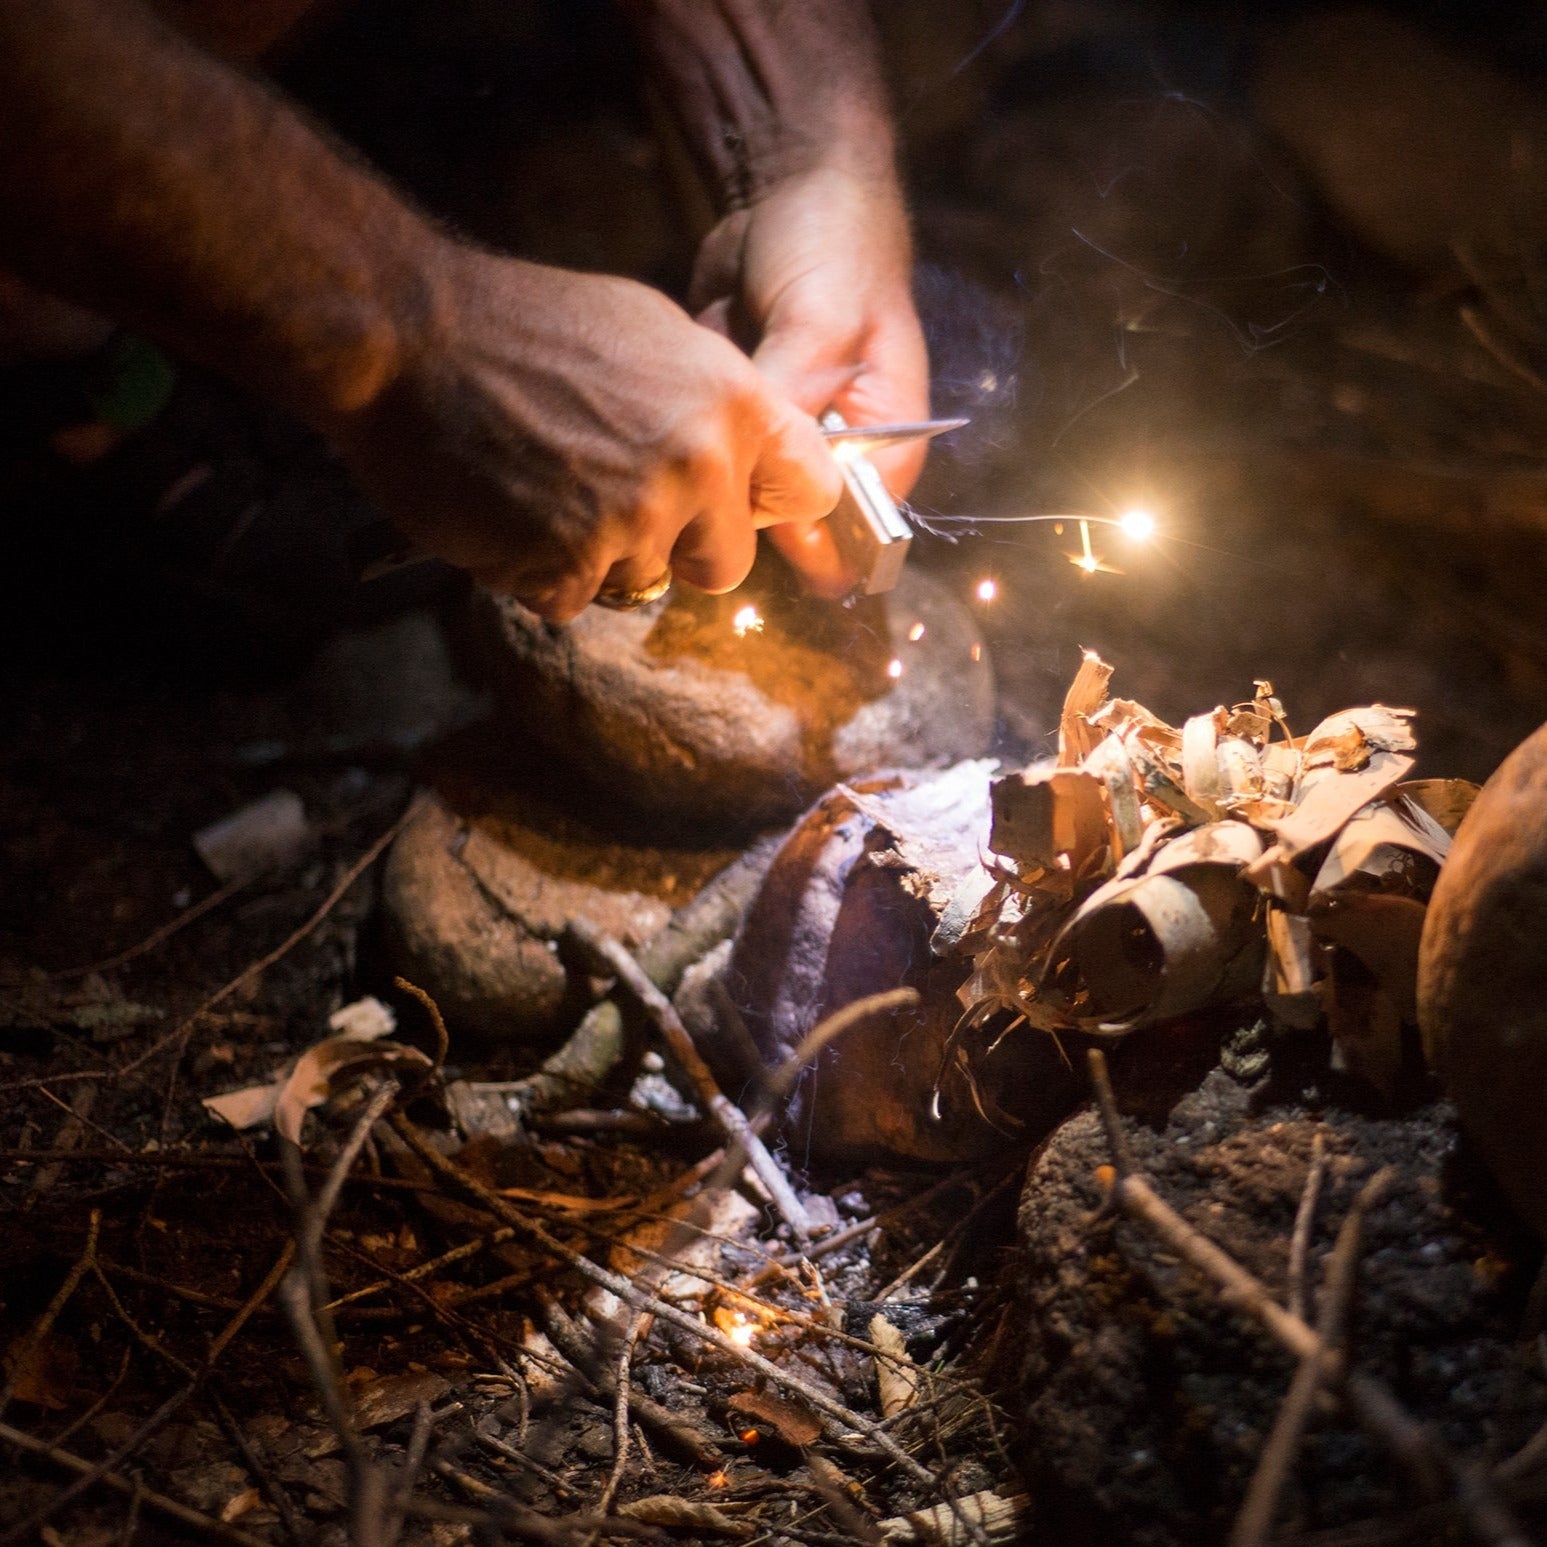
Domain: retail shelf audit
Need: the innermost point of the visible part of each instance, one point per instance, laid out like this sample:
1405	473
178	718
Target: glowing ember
717	1479
977	652
894	668
1137	524
915	633
741	1333
987	589
748	620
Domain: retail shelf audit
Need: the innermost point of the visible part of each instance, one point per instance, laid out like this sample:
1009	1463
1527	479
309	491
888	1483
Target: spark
977	652
742	1333
1137	524
748	620
986	589
894	668
1086	559
915	633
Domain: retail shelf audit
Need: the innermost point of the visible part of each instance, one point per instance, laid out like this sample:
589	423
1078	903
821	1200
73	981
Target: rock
1146	1402
846	910
1482	978
675	711
478	888
1415	147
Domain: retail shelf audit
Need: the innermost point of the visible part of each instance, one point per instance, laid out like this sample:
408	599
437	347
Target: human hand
554	432
814	278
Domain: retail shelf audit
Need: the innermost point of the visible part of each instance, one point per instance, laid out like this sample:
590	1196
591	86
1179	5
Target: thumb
797	359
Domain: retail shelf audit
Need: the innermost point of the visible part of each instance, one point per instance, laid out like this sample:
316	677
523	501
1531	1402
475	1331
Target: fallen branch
609	957
1305	1218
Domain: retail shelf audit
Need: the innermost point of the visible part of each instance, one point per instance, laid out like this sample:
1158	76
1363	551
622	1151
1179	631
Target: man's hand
814	278
554	432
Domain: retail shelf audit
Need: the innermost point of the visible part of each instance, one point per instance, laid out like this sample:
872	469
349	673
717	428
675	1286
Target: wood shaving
1150	871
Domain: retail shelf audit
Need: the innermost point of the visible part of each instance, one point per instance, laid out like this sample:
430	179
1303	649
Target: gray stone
1482	976
477	890
847	910
674	711
1146	1401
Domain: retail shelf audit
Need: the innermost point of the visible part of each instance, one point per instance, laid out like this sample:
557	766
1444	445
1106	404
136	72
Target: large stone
478	888
846	910
1147	1401
1482	976
676	712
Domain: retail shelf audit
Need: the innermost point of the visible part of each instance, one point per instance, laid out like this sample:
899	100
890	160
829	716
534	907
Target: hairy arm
144	177
549	431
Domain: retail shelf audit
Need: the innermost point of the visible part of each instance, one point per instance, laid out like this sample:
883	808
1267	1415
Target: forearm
768	89
143	177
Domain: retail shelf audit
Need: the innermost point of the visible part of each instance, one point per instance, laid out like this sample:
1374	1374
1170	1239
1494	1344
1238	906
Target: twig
437	1020
304	1296
195	1520
610	957
1254	1524
1305	1218
257	1464
155	938
285	946
93	1474
1379	1413
836	1413
22	1354
620	1413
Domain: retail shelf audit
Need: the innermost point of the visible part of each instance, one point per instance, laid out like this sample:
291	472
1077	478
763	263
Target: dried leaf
390	1397
793	1422
897	1377
319	1071
665	1509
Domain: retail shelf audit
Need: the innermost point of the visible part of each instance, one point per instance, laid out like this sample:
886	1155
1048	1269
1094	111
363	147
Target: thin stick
838	1415
1305	1218
284	948
1379	1413
610	957
21	1355
1254	1525
195	1520
437	1020
620	1413
304	1295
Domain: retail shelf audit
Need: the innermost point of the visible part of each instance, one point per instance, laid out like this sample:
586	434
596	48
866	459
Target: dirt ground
1138	299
